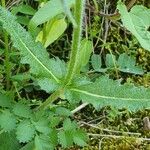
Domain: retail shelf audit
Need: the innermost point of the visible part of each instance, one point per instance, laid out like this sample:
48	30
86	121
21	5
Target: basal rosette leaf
32	53
106	92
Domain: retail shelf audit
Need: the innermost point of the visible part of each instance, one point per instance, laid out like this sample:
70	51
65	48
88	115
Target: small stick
79	108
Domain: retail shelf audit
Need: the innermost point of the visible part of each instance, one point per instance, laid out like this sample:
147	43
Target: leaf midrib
31	53
107	97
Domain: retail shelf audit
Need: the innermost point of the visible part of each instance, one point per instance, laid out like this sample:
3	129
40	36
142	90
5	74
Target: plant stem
6	63
74	56
50	99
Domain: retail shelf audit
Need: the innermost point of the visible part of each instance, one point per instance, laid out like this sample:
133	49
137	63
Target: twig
116	136
79	108
107	130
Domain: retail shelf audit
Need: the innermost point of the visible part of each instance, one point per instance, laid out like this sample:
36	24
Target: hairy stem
78	13
7	65
50	99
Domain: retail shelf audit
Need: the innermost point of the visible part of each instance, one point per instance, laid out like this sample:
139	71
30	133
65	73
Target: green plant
45	126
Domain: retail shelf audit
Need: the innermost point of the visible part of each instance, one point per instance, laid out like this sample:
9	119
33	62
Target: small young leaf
47	12
128	64
7	121
110	60
86	48
52	31
96	62
25	131
22	110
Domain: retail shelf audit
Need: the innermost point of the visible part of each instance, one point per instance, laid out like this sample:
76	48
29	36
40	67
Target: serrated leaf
47	84
28	146
5	101
22	110
42	142
62	111
47	12
128	64
7	121
42	125
8	141
65	138
106	92
80	138
54	121
68	125
25	131
32	53
137	22
52	31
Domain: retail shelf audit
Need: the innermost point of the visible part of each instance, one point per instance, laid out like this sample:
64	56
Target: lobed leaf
7	121
105	92
5	101
32	53
25	131
22	110
42	142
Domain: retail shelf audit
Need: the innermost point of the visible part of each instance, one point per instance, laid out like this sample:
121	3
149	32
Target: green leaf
25	131
8	141
54	121
128	64
28	146
96	62
43	142
24	9
47	84
32	53
7	121
110	60
42	125
52	31
47	12
137	22
65	138
62	111
106	92
86	48
5	101
68	125
22	110
80	138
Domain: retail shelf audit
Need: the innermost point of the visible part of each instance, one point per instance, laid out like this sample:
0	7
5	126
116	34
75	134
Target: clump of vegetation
74	77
